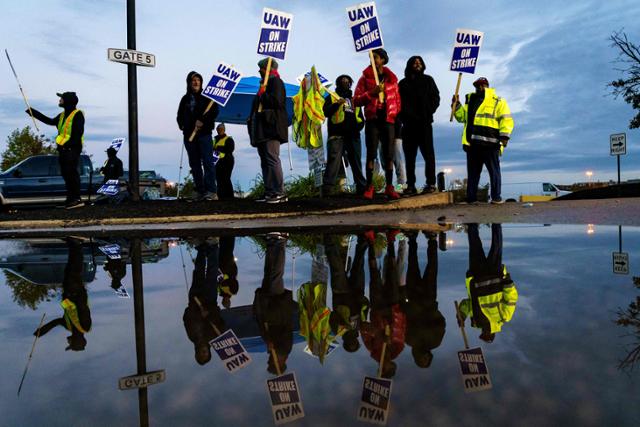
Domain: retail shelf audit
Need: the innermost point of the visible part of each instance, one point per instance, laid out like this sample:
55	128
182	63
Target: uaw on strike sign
274	33
222	84
365	27
466	50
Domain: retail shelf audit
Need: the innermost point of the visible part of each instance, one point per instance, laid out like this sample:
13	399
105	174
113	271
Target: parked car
37	180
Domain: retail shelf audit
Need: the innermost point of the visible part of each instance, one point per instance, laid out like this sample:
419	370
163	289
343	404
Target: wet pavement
554	310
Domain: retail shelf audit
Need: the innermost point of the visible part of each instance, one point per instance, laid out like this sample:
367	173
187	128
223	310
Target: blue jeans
476	158
200	153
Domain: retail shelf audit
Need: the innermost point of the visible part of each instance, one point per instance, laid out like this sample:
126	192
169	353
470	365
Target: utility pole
132	75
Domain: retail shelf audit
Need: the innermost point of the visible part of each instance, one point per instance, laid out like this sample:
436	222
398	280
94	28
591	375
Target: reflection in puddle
343	312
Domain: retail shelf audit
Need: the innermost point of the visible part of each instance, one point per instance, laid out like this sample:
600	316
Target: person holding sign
380	113
70	124
420	100
487	128
223	147
492	295
202	312
344	126
268	129
193	115
112	168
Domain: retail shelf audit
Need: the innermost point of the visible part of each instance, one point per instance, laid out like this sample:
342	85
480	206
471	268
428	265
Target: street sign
128	56
466	50
374	403
473	366
142	381
365	27
274	33
620	263
286	403
618	144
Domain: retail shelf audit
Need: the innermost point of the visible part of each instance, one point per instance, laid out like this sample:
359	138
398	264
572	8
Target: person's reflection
202	312
425	323
350	306
492	294
117	269
388	322
228	279
77	316
273	305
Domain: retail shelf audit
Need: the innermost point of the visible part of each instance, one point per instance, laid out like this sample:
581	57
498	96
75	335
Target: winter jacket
192	107
271	123
373	334
112	169
420	99
365	98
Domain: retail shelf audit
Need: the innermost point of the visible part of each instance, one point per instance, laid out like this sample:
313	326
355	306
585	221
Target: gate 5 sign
274	33
365	27
466	50
127	56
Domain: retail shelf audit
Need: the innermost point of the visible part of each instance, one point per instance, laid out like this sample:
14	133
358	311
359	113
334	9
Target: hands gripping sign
224	81
365	28
274	33
466	50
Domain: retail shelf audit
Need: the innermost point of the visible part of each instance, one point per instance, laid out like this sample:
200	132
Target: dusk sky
551	60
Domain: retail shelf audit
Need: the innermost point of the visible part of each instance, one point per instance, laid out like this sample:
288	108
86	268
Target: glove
504	142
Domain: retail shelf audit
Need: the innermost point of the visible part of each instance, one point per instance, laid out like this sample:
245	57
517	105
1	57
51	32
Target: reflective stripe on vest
64	128
338	116
71	315
220	144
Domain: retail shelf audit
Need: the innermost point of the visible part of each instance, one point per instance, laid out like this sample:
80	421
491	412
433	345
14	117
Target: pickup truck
37	181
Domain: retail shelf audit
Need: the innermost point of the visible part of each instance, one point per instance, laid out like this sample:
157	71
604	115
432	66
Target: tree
628	87
630	318
28	294
22	144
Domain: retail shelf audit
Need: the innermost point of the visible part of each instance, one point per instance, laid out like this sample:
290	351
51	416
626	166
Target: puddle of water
556	326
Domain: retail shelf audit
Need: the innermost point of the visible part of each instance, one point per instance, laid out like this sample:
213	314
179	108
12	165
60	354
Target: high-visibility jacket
494	296
314	317
64	128
219	144
492	121
71	317
338	116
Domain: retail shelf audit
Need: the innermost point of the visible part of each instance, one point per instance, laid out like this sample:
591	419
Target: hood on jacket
368	73
408	70
190	76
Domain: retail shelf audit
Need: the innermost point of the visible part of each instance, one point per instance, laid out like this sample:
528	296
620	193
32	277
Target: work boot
409	191
391	193
368	193
74	204
211	196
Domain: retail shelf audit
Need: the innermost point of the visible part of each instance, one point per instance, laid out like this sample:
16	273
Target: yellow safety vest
71	315
338	116
498	307
220	144
64	128
493	119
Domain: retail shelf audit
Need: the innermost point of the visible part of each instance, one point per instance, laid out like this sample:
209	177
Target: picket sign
473	366
465	56
376	392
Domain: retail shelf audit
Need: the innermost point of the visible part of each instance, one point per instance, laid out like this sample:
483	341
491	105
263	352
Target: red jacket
364	97
373	333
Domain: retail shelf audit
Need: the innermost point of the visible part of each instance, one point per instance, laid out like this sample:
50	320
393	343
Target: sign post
465	56
132	58
221	86
367	36
618	147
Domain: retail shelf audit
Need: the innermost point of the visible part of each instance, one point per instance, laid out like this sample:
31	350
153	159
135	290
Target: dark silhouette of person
350	306
75	301
228	278
273	305
388	322
112	168
425	324
117	269
202	316
492	295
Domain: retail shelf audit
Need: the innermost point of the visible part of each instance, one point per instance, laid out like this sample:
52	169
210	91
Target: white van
531	192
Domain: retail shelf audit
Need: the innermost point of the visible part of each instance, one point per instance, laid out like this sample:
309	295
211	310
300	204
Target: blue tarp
239	106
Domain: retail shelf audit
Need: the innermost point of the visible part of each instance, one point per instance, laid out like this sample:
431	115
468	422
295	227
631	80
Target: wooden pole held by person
26	101
33	347
375	75
266	80
461	324
453	107
195	130
387	332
